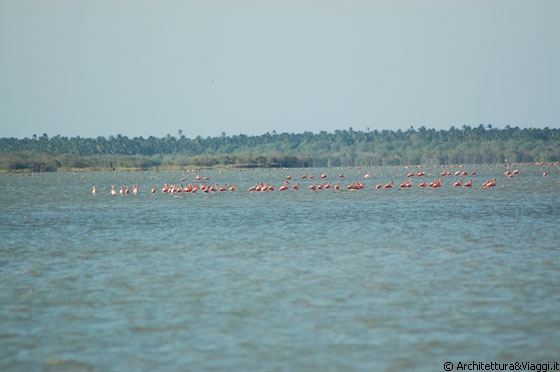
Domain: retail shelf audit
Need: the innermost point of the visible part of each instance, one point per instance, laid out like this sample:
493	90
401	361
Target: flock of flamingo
193	188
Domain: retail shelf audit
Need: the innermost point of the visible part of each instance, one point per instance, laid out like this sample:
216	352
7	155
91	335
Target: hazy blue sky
143	68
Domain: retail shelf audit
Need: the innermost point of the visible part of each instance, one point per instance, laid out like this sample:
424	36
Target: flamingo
406	184
389	185
94	190
113	191
436	184
490	183
295	186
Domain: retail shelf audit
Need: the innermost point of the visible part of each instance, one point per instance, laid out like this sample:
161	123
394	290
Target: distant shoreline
343	148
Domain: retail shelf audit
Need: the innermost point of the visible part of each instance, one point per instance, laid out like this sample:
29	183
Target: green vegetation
478	145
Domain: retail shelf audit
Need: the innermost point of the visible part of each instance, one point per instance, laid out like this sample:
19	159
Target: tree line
348	147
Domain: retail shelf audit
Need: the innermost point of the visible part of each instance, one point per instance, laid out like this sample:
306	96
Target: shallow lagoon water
357	280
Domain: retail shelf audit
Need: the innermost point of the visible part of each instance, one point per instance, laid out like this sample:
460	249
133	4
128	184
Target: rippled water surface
362	280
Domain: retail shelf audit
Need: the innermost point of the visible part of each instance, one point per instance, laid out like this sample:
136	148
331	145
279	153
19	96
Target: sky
207	67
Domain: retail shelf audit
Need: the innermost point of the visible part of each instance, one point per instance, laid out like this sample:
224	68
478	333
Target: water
363	280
